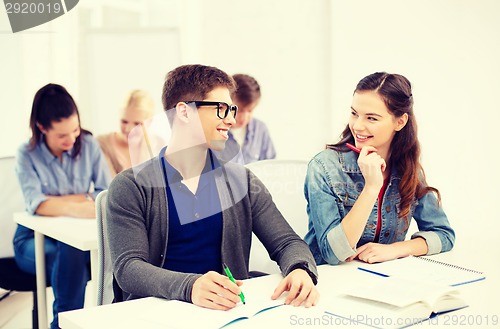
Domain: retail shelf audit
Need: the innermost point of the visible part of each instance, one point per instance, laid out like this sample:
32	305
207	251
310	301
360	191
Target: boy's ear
401	121
182	111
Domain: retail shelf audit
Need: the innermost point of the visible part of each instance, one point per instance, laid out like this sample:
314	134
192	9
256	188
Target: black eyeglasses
222	107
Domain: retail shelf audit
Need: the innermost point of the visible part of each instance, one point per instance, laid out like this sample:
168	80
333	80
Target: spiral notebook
425	269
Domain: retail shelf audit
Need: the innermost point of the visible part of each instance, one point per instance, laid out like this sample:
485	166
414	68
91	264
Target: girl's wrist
371	190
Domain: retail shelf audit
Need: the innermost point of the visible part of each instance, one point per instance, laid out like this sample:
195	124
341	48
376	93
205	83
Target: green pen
230	276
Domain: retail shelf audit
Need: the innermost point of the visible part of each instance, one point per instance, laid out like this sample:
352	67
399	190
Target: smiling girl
115	146
56	170
360	205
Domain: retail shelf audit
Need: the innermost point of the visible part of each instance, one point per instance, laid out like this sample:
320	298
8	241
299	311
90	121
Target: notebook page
401	292
355	311
179	314
425	269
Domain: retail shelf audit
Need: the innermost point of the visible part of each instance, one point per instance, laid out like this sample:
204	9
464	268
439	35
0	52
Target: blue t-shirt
195	221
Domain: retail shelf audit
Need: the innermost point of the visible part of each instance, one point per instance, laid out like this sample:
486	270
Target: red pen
352	147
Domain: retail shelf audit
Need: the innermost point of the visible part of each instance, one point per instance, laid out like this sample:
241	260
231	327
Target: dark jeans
67	268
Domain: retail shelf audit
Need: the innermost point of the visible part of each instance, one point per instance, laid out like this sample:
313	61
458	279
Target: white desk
76	232
483	298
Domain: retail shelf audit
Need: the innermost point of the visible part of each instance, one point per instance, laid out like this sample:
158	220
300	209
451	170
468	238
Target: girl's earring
39	126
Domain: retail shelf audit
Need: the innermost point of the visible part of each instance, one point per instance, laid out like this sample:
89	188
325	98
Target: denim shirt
41	174
334	183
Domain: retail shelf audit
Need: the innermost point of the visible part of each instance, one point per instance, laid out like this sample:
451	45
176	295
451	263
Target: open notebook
257	300
392	302
206	318
425	269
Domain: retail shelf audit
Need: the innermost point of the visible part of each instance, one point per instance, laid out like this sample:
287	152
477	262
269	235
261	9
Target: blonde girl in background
122	151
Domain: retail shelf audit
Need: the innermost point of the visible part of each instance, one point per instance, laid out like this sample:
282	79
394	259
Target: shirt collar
250	130
47	155
173	176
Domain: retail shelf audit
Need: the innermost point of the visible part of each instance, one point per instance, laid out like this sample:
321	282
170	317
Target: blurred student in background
360	205
56	170
120	150
250	134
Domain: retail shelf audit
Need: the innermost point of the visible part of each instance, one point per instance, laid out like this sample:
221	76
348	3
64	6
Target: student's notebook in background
425	269
393	302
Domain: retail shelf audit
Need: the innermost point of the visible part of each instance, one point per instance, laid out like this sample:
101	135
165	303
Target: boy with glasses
173	224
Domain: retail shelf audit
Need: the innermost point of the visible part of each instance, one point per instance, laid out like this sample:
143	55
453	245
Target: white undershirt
239	134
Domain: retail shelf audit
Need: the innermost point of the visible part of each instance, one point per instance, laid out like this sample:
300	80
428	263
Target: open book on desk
186	315
392	302
424	269
179	314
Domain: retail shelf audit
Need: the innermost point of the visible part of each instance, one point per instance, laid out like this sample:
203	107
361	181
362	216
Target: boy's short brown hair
193	83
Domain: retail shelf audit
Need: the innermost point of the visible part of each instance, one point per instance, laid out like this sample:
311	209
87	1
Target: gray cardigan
137	219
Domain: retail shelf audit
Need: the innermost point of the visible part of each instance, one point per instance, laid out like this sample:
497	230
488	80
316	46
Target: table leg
41	286
94	272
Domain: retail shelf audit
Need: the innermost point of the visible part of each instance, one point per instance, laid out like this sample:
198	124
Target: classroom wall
99	56
29	60
308	57
285	47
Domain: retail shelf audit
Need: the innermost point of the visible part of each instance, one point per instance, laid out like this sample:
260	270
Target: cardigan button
388	208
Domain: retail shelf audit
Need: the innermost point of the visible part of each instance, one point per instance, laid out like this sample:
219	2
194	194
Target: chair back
12	201
285	181
105	268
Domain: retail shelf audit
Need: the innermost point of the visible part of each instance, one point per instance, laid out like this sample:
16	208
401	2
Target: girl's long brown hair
395	90
53	103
